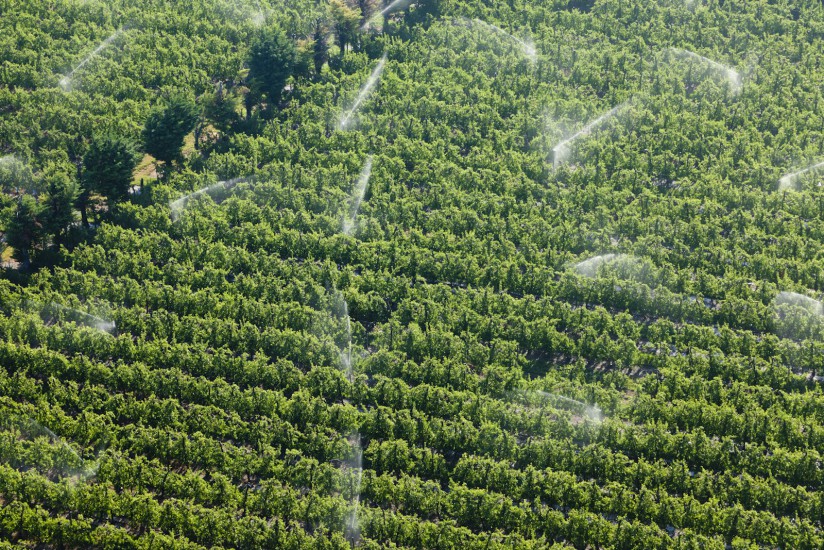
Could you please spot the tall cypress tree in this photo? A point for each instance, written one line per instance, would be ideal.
(108, 169)
(272, 60)
(167, 127)
(61, 195)
(25, 230)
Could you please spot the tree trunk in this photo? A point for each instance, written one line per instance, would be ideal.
(83, 216)
(83, 199)
(25, 263)
(198, 132)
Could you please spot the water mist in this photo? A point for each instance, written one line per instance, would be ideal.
(346, 119)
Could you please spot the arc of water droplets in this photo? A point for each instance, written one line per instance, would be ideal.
(87, 319)
(799, 300)
(357, 196)
(364, 92)
(66, 81)
(178, 205)
(732, 76)
(352, 529)
(560, 152)
(19, 174)
(590, 412)
(396, 5)
(589, 267)
(527, 48)
(260, 17)
(346, 353)
(787, 182)
(88, 471)
(356, 468)
(795, 324)
(95, 322)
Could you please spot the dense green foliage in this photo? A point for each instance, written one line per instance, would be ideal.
(272, 60)
(165, 131)
(181, 381)
(109, 163)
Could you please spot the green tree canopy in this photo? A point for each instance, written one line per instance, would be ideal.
(272, 60)
(109, 165)
(220, 107)
(345, 23)
(25, 230)
(167, 127)
(61, 194)
(320, 45)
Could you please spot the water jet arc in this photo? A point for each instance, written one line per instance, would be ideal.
(357, 196)
(527, 48)
(80, 317)
(592, 413)
(363, 94)
(66, 81)
(810, 305)
(561, 151)
(788, 181)
(396, 5)
(352, 528)
(732, 76)
(180, 204)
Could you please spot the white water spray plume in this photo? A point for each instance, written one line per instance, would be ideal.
(342, 311)
(66, 81)
(355, 466)
(79, 317)
(810, 305)
(526, 47)
(789, 182)
(560, 152)
(177, 206)
(589, 267)
(394, 6)
(13, 162)
(363, 94)
(260, 16)
(357, 196)
(32, 429)
(591, 413)
(259, 19)
(798, 317)
(728, 73)
(16, 175)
